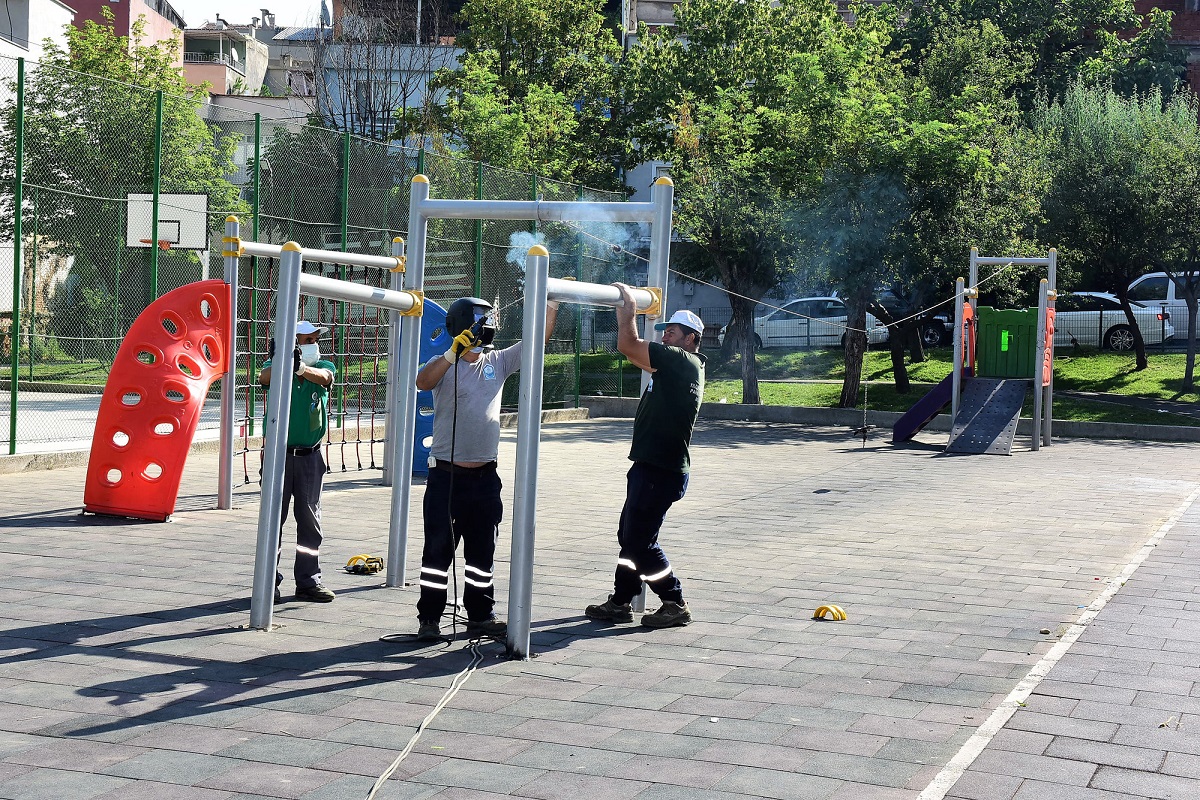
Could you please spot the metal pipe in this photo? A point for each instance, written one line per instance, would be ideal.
(229, 379)
(1043, 288)
(396, 283)
(1048, 412)
(529, 429)
(18, 272)
(347, 292)
(275, 430)
(538, 210)
(973, 277)
(956, 381)
(597, 294)
(1036, 262)
(406, 388)
(252, 327)
(326, 256)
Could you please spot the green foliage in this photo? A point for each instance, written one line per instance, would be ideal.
(89, 134)
(534, 89)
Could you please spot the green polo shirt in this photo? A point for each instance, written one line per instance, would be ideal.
(308, 419)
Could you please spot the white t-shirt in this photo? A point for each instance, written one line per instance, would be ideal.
(476, 426)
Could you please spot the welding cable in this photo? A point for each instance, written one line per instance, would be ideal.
(459, 680)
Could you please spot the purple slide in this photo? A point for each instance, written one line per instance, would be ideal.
(928, 407)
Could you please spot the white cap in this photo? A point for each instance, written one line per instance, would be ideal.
(304, 327)
(685, 318)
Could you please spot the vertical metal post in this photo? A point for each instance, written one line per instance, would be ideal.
(477, 284)
(229, 255)
(405, 398)
(1043, 288)
(1048, 400)
(395, 283)
(339, 341)
(956, 383)
(275, 430)
(252, 326)
(578, 309)
(152, 289)
(973, 281)
(32, 321)
(18, 272)
(529, 431)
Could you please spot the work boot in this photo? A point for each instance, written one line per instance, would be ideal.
(278, 595)
(315, 594)
(669, 616)
(428, 631)
(611, 611)
(487, 627)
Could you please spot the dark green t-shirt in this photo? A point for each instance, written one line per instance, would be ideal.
(308, 417)
(662, 428)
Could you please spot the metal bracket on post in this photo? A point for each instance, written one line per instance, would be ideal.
(275, 432)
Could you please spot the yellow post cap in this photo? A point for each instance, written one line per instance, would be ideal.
(231, 218)
(420, 179)
(291, 247)
(397, 240)
(538, 250)
(664, 181)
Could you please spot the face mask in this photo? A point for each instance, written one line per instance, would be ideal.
(310, 354)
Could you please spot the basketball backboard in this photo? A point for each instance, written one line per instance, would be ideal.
(182, 221)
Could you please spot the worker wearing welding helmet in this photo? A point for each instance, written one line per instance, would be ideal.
(462, 493)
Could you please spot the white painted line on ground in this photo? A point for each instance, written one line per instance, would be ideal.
(945, 780)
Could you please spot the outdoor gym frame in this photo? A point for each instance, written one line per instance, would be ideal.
(406, 302)
(1043, 377)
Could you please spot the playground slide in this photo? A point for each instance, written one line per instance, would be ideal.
(923, 412)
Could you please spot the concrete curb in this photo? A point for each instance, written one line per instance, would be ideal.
(34, 462)
(849, 418)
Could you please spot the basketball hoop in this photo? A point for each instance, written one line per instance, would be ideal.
(163, 244)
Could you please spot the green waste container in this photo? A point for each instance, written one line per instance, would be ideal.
(1006, 343)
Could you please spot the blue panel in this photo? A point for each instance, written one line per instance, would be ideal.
(434, 342)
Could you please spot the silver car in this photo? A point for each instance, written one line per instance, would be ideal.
(811, 322)
(1096, 319)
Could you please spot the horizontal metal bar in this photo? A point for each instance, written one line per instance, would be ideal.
(332, 289)
(1041, 262)
(264, 250)
(542, 211)
(600, 294)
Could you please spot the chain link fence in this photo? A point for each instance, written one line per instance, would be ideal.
(88, 143)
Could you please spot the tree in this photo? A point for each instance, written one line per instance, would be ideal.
(1114, 162)
(534, 90)
(89, 139)
(750, 103)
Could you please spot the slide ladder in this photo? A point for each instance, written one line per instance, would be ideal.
(987, 416)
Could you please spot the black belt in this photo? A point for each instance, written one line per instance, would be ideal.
(303, 451)
(449, 466)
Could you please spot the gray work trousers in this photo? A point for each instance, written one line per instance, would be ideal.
(303, 477)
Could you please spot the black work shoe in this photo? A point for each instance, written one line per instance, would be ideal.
(669, 616)
(278, 595)
(428, 632)
(315, 594)
(487, 627)
(608, 610)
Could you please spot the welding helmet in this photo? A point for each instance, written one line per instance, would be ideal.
(473, 313)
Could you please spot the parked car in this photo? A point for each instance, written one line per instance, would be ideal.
(1096, 319)
(809, 322)
(1155, 289)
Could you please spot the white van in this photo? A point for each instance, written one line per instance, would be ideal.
(1154, 289)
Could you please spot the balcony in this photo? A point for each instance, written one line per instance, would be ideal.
(214, 58)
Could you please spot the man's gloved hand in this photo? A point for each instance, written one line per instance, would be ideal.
(298, 363)
(463, 342)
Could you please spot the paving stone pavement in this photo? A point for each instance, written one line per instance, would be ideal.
(127, 669)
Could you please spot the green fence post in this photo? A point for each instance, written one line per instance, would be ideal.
(478, 284)
(29, 323)
(578, 308)
(152, 289)
(18, 199)
(252, 323)
(421, 161)
(122, 211)
(533, 196)
(340, 342)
